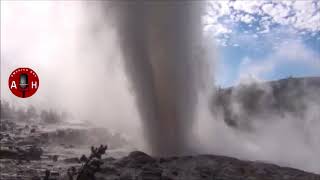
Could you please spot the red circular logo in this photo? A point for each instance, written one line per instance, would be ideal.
(23, 82)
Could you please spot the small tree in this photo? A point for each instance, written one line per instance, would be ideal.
(92, 164)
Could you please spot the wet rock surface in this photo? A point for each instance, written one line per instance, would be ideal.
(140, 166)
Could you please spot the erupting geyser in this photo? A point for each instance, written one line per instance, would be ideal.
(162, 47)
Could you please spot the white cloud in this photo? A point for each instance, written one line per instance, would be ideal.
(267, 7)
(287, 52)
(247, 18)
(297, 15)
(252, 7)
(254, 70)
(295, 51)
(278, 12)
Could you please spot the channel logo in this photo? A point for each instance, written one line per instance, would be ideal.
(23, 82)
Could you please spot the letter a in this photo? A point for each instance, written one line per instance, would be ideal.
(13, 85)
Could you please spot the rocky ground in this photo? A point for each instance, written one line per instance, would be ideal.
(140, 166)
(27, 153)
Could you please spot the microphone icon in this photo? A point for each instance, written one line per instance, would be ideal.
(23, 84)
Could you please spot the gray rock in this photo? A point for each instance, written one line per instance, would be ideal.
(140, 166)
(72, 160)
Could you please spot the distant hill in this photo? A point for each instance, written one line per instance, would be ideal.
(292, 97)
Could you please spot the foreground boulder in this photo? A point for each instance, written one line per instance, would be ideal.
(135, 159)
(140, 166)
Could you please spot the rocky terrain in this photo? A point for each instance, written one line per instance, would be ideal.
(27, 151)
(138, 165)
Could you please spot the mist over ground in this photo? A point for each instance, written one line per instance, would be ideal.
(77, 50)
(76, 57)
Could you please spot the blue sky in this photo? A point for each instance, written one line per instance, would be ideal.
(264, 40)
